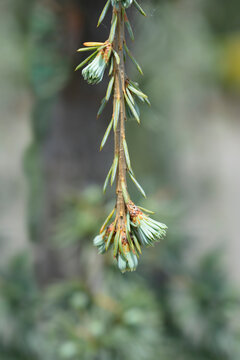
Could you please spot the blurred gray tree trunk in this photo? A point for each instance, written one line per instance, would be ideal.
(64, 155)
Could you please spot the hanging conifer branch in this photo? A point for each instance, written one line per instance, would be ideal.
(132, 228)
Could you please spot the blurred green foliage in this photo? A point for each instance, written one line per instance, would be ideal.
(80, 216)
(172, 307)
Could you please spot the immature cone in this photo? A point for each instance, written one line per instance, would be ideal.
(99, 241)
(94, 71)
(146, 229)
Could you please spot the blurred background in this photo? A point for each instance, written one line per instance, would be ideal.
(58, 298)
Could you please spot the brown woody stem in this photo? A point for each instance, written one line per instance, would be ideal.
(119, 136)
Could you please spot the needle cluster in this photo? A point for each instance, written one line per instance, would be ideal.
(132, 227)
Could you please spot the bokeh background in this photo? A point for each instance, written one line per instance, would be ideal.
(58, 298)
